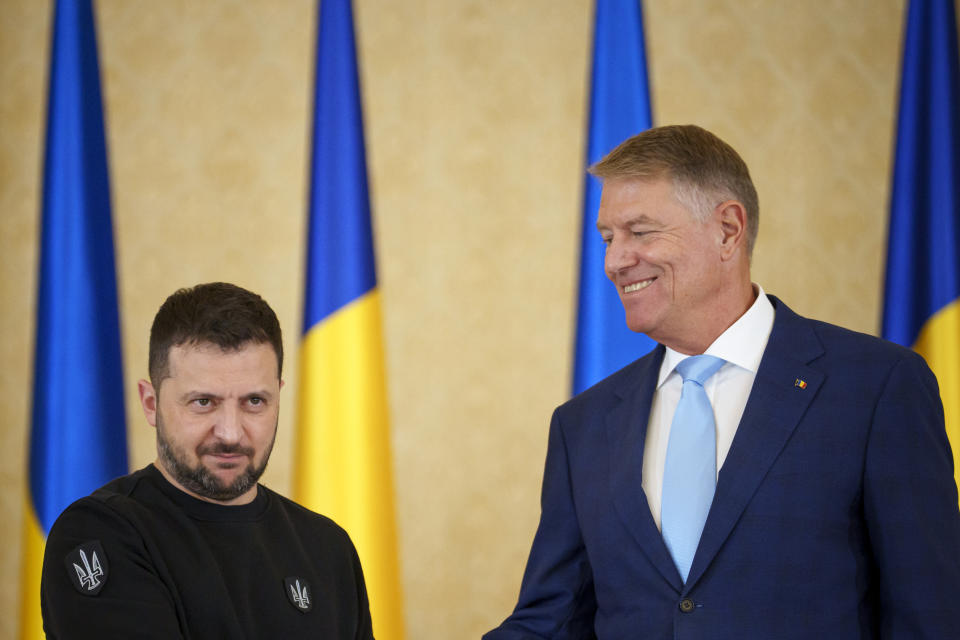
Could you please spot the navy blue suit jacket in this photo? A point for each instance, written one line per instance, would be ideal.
(835, 514)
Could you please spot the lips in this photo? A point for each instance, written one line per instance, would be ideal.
(637, 286)
(226, 454)
(227, 460)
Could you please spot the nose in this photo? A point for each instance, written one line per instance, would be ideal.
(229, 425)
(619, 256)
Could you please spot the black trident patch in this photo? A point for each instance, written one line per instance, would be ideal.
(298, 592)
(87, 567)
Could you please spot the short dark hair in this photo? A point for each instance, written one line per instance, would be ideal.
(216, 313)
(702, 166)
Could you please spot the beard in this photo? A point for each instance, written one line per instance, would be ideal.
(199, 479)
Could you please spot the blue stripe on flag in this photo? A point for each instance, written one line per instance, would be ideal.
(340, 262)
(78, 439)
(923, 253)
(619, 108)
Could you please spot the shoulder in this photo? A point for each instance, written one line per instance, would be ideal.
(853, 349)
(847, 357)
(104, 507)
(126, 511)
(319, 536)
(110, 521)
(640, 376)
(324, 529)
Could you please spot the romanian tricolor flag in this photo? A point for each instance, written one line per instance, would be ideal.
(922, 303)
(619, 108)
(78, 436)
(342, 461)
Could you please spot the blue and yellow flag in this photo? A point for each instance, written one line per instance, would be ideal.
(78, 435)
(343, 465)
(619, 108)
(922, 303)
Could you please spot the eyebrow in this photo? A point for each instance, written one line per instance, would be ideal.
(640, 219)
(199, 393)
(262, 393)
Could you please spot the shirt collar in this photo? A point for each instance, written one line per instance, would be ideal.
(742, 343)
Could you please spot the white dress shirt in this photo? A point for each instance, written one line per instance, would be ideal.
(741, 345)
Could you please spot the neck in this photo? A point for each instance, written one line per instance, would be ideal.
(714, 321)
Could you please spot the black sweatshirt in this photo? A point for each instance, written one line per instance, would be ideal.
(141, 559)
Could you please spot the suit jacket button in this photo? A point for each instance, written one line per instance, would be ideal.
(686, 605)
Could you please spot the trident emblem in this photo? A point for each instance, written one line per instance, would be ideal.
(90, 573)
(298, 593)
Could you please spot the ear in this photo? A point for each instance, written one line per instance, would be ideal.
(733, 227)
(148, 401)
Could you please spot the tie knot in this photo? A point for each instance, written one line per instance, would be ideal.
(699, 368)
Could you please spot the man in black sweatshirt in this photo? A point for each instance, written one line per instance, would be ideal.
(192, 546)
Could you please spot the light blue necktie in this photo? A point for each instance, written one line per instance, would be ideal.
(690, 470)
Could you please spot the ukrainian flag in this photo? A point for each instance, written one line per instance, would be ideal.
(342, 457)
(619, 108)
(78, 436)
(922, 302)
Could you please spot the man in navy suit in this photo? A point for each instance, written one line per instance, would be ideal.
(831, 511)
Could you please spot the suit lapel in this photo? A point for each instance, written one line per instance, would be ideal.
(626, 426)
(782, 391)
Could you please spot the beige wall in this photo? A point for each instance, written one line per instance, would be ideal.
(474, 116)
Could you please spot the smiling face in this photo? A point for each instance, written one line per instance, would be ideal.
(216, 418)
(681, 281)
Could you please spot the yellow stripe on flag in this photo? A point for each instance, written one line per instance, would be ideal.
(939, 344)
(31, 626)
(342, 455)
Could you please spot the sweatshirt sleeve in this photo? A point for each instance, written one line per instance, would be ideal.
(364, 622)
(99, 582)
